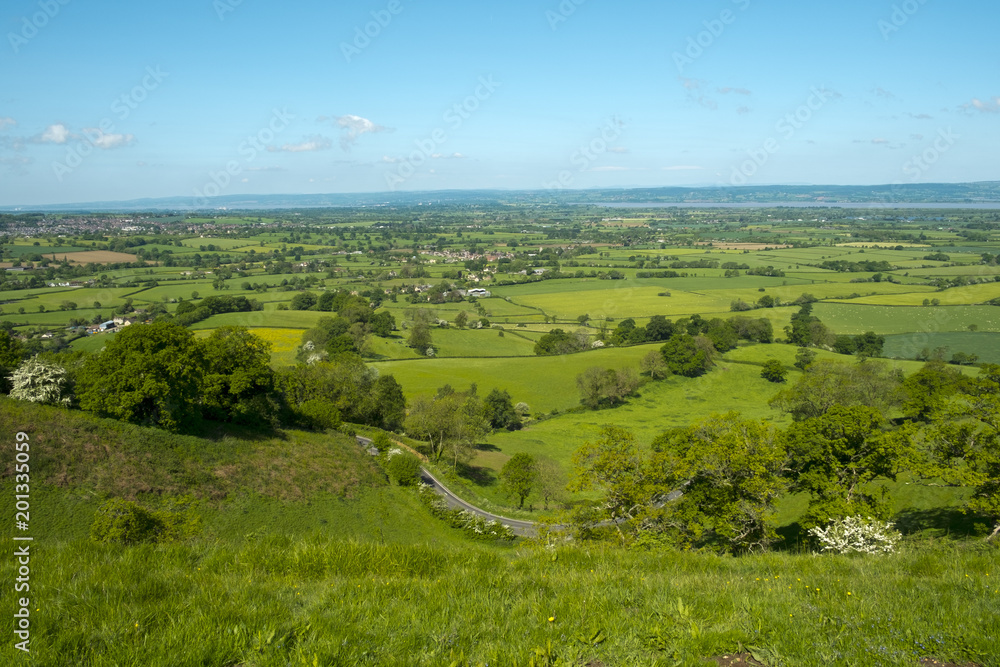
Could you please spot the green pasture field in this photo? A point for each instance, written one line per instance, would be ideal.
(851, 319)
(985, 345)
(759, 353)
(640, 298)
(22, 250)
(976, 270)
(955, 296)
(454, 342)
(92, 343)
(544, 383)
(673, 402)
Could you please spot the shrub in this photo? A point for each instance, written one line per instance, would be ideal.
(121, 521)
(773, 371)
(318, 415)
(124, 522)
(855, 534)
(39, 382)
(402, 468)
(472, 525)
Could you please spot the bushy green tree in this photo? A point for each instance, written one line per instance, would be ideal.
(964, 445)
(149, 374)
(837, 455)
(557, 341)
(499, 410)
(382, 324)
(684, 356)
(730, 473)
(11, 353)
(238, 384)
(613, 465)
(518, 476)
(773, 371)
(606, 386)
(828, 383)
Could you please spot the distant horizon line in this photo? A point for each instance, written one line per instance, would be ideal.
(560, 193)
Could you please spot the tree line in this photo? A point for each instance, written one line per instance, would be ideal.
(845, 442)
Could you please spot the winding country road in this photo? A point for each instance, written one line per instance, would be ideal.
(521, 528)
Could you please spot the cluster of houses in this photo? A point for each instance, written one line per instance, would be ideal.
(113, 324)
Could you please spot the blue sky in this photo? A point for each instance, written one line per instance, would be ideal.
(105, 100)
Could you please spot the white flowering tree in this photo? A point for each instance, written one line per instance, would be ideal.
(855, 534)
(40, 382)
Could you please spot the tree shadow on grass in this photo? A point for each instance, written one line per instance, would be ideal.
(793, 538)
(486, 447)
(477, 474)
(941, 522)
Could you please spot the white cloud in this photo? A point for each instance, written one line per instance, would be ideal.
(989, 106)
(681, 167)
(737, 91)
(352, 127)
(5, 121)
(610, 168)
(618, 149)
(314, 143)
(453, 156)
(107, 141)
(55, 134)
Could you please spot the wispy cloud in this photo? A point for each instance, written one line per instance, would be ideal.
(681, 167)
(920, 116)
(5, 121)
(695, 93)
(108, 141)
(984, 106)
(883, 93)
(450, 156)
(736, 91)
(743, 110)
(314, 143)
(621, 150)
(352, 127)
(17, 164)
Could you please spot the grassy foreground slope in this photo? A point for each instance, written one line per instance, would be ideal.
(307, 557)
